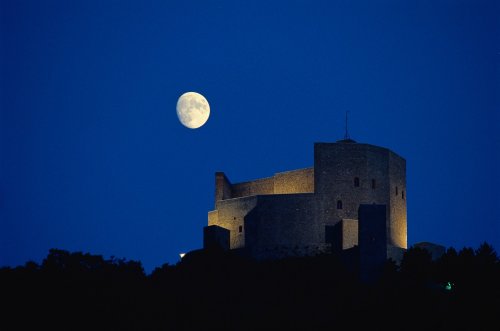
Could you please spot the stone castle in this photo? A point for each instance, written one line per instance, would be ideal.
(354, 197)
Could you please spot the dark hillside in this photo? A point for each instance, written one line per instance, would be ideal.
(211, 290)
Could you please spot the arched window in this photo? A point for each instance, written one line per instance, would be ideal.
(396, 190)
(356, 181)
(339, 204)
(373, 184)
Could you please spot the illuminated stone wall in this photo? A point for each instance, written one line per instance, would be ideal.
(289, 182)
(254, 187)
(343, 235)
(336, 167)
(379, 171)
(349, 233)
(230, 215)
(397, 211)
(290, 211)
(222, 187)
(234, 201)
(295, 181)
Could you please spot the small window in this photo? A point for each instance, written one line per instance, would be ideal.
(240, 229)
(339, 204)
(396, 190)
(234, 218)
(403, 194)
(373, 184)
(356, 181)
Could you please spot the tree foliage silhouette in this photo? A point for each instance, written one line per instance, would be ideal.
(220, 290)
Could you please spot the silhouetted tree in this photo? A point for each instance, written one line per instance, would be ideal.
(447, 267)
(486, 255)
(417, 265)
(222, 290)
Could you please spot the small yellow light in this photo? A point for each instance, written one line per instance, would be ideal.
(182, 255)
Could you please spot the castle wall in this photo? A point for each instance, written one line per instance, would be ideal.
(222, 187)
(289, 182)
(397, 212)
(336, 167)
(230, 215)
(349, 233)
(213, 217)
(284, 225)
(215, 237)
(254, 187)
(295, 181)
(343, 235)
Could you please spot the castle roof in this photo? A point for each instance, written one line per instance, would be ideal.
(347, 141)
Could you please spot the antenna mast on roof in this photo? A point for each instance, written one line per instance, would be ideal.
(346, 136)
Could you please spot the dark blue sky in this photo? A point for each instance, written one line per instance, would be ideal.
(93, 158)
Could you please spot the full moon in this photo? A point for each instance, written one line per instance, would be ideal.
(193, 110)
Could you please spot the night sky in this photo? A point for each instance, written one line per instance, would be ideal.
(94, 159)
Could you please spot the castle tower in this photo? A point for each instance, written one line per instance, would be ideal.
(348, 174)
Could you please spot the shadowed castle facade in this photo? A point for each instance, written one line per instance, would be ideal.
(354, 195)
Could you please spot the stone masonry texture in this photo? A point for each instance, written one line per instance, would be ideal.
(287, 214)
